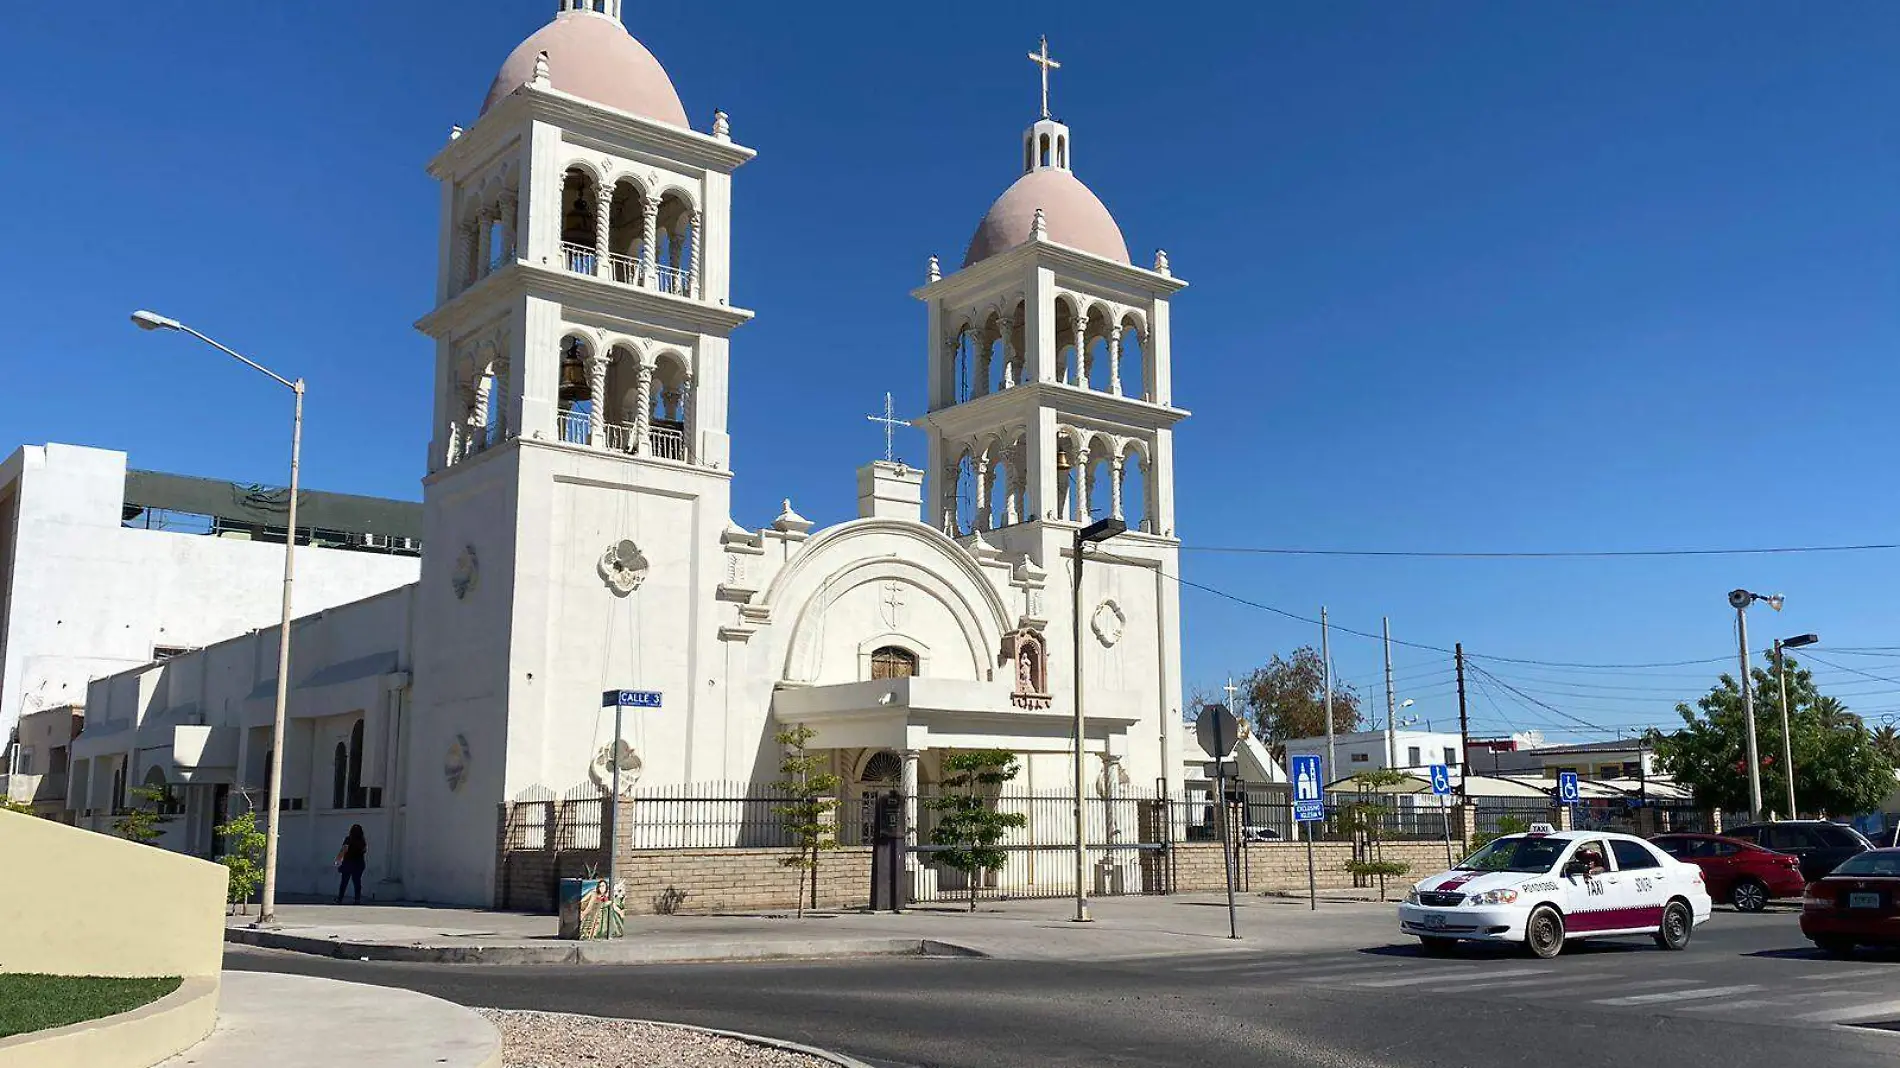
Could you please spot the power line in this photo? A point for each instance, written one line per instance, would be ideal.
(1541, 704)
(1469, 655)
(1553, 554)
(1844, 667)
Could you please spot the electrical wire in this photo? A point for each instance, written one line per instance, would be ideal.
(1554, 554)
(1469, 655)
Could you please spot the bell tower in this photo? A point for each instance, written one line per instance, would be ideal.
(1050, 407)
(579, 464)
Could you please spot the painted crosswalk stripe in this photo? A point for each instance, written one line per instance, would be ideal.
(1780, 1001)
(1873, 1010)
(1442, 976)
(1698, 994)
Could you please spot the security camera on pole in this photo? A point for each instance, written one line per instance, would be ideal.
(1740, 600)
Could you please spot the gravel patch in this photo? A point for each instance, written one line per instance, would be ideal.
(562, 1040)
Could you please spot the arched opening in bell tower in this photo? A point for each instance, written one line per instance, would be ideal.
(1135, 505)
(1134, 360)
(580, 205)
(626, 230)
(575, 413)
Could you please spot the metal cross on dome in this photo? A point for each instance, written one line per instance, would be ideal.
(1041, 59)
(891, 423)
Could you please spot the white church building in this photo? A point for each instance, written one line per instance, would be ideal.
(578, 533)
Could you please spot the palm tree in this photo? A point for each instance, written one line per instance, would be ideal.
(1887, 740)
(1833, 714)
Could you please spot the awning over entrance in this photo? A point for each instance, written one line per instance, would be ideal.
(925, 713)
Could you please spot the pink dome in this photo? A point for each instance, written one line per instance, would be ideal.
(1074, 215)
(594, 58)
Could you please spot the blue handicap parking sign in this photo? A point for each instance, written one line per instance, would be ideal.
(1441, 779)
(1309, 788)
(1567, 790)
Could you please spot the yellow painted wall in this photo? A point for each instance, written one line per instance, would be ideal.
(76, 902)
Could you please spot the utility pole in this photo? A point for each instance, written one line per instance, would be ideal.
(1326, 654)
(1391, 713)
(1464, 720)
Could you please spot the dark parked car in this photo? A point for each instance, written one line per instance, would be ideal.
(1857, 905)
(1741, 873)
(1820, 845)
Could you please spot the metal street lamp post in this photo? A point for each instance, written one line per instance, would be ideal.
(267, 908)
(1787, 739)
(1740, 600)
(1094, 534)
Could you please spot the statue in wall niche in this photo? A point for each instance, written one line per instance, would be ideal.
(1029, 654)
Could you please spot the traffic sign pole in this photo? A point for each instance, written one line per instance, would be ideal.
(1441, 788)
(620, 700)
(1309, 806)
(610, 825)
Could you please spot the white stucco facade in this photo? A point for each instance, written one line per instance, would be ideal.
(578, 533)
(84, 595)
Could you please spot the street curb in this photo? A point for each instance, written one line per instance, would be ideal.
(759, 1040)
(615, 952)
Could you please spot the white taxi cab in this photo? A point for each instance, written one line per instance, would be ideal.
(1544, 888)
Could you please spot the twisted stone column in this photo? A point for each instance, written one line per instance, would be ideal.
(510, 213)
(694, 285)
(981, 521)
(1115, 486)
(1077, 377)
(1115, 360)
(603, 229)
(649, 240)
(643, 407)
(597, 388)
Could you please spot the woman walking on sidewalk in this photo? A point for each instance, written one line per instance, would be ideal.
(350, 863)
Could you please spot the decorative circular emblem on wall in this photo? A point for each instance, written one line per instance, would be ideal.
(1108, 622)
(623, 567)
(466, 573)
(455, 763)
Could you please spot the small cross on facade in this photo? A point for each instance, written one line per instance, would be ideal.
(891, 423)
(1041, 59)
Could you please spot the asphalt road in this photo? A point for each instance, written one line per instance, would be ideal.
(1748, 991)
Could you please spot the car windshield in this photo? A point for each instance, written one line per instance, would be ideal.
(1515, 854)
(1878, 864)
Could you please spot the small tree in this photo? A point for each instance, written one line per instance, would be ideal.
(968, 821)
(142, 821)
(243, 858)
(1364, 818)
(811, 792)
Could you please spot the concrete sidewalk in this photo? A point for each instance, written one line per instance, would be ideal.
(1124, 928)
(296, 1021)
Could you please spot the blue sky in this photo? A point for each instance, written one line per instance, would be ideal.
(1472, 276)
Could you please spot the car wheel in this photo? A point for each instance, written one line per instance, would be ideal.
(1438, 947)
(1544, 933)
(1677, 924)
(1749, 895)
(1836, 947)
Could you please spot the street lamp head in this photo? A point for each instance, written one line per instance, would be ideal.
(1799, 640)
(1407, 703)
(146, 320)
(1100, 531)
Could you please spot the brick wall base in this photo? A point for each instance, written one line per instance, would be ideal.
(689, 880)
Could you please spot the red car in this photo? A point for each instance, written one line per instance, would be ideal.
(1741, 873)
(1858, 904)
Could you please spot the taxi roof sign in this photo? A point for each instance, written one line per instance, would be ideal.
(1542, 828)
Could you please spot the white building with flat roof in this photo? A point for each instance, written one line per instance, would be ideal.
(104, 568)
(1405, 750)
